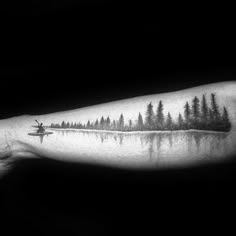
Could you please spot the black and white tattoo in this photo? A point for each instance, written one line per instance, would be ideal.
(197, 115)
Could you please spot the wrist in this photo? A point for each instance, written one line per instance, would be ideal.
(10, 129)
(6, 139)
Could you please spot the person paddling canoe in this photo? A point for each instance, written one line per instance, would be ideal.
(41, 132)
(40, 127)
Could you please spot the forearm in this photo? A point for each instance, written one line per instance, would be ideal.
(128, 141)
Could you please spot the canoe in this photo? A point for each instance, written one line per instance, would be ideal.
(40, 134)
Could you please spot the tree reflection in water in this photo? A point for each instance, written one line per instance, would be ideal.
(159, 147)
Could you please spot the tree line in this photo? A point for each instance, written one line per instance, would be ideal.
(197, 115)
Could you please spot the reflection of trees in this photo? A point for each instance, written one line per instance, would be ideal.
(156, 139)
(197, 136)
(121, 137)
(169, 136)
(225, 144)
(149, 138)
(41, 138)
(97, 135)
(151, 151)
(142, 140)
(192, 144)
(188, 140)
(216, 141)
(103, 136)
(208, 143)
(159, 138)
(159, 141)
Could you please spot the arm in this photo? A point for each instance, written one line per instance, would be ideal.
(145, 132)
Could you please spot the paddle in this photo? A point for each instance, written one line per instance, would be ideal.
(37, 122)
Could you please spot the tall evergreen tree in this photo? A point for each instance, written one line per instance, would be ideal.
(215, 108)
(187, 113)
(195, 111)
(80, 126)
(225, 120)
(211, 116)
(130, 124)
(225, 116)
(102, 123)
(121, 122)
(108, 122)
(114, 125)
(149, 119)
(204, 110)
(160, 116)
(169, 122)
(96, 125)
(140, 121)
(180, 122)
(63, 124)
(88, 125)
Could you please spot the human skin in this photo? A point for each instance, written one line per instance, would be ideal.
(126, 149)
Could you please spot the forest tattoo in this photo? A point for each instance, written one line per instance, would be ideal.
(140, 134)
(197, 115)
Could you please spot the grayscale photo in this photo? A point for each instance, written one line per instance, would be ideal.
(117, 118)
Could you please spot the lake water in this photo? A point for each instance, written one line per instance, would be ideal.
(154, 149)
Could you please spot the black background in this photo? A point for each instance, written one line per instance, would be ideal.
(60, 55)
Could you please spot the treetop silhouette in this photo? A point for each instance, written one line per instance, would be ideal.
(200, 115)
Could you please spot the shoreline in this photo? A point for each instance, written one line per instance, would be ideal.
(139, 132)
